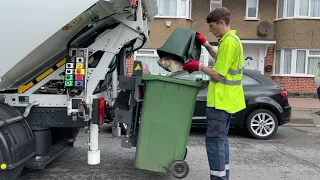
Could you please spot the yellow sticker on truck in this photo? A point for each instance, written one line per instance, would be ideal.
(137, 67)
(72, 24)
(24, 88)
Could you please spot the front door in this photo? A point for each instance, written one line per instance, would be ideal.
(251, 60)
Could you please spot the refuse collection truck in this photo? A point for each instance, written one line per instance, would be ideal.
(63, 69)
(60, 66)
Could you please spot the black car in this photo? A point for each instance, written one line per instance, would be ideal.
(267, 105)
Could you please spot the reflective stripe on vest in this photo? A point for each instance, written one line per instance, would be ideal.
(233, 72)
(230, 82)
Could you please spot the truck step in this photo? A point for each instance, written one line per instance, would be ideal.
(39, 162)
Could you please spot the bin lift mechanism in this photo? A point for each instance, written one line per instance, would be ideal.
(80, 76)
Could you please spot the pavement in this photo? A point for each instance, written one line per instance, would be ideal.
(303, 112)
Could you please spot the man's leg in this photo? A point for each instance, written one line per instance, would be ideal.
(215, 137)
(318, 92)
(226, 148)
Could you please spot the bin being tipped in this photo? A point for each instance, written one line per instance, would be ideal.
(165, 122)
(181, 46)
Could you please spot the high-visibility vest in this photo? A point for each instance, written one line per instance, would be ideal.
(315, 74)
(227, 94)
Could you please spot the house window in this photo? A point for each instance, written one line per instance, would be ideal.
(205, 58)
(300, 62)
(280, 8)
(214, 4)
(290, 8)
(174, 8)
(150, 58)
(304, 8)
(252, 9)
(298, 9)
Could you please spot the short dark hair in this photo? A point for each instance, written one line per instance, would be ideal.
(219, 14)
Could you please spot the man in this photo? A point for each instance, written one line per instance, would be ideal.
(145, 68)
(317, 81)
(225, 93)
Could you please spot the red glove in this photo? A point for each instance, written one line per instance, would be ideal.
(192, 65)
(201, 38)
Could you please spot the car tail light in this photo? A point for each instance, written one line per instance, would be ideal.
(287, 118)
(284, 94)
(139, 94)
(101, 111)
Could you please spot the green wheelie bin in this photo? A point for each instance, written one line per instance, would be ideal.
(165, 122)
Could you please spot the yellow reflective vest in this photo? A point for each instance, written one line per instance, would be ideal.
(227, 94)
(315, 74)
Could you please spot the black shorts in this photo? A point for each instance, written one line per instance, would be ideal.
(318, 92)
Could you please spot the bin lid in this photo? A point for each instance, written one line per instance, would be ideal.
(152, 77)
(181, 45)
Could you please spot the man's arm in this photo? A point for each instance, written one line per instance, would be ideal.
(211, 73)
(222, 65)
(220, 68)
(212, 51)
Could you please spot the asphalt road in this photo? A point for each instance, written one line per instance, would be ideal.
(293, 154)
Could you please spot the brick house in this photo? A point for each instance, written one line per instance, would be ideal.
(281, 38)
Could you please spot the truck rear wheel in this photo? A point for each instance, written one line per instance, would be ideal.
(11, 174)
(16, 143)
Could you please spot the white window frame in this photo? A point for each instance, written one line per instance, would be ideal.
(257, 12)
(205, 55)
(153, 53)
(188, 11)
(296, 11)
(219, 2)
(148, 53)
(293, 62)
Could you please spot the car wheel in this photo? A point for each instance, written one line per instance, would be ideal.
(123, 128)
(261, 124)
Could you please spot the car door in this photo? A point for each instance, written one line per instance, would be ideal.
(201, 105)
(251, 88)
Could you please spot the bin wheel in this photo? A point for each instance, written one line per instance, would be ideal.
(180, 169)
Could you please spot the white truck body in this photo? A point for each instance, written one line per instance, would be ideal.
(27, 24)
(37, 42)
(32, 37)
